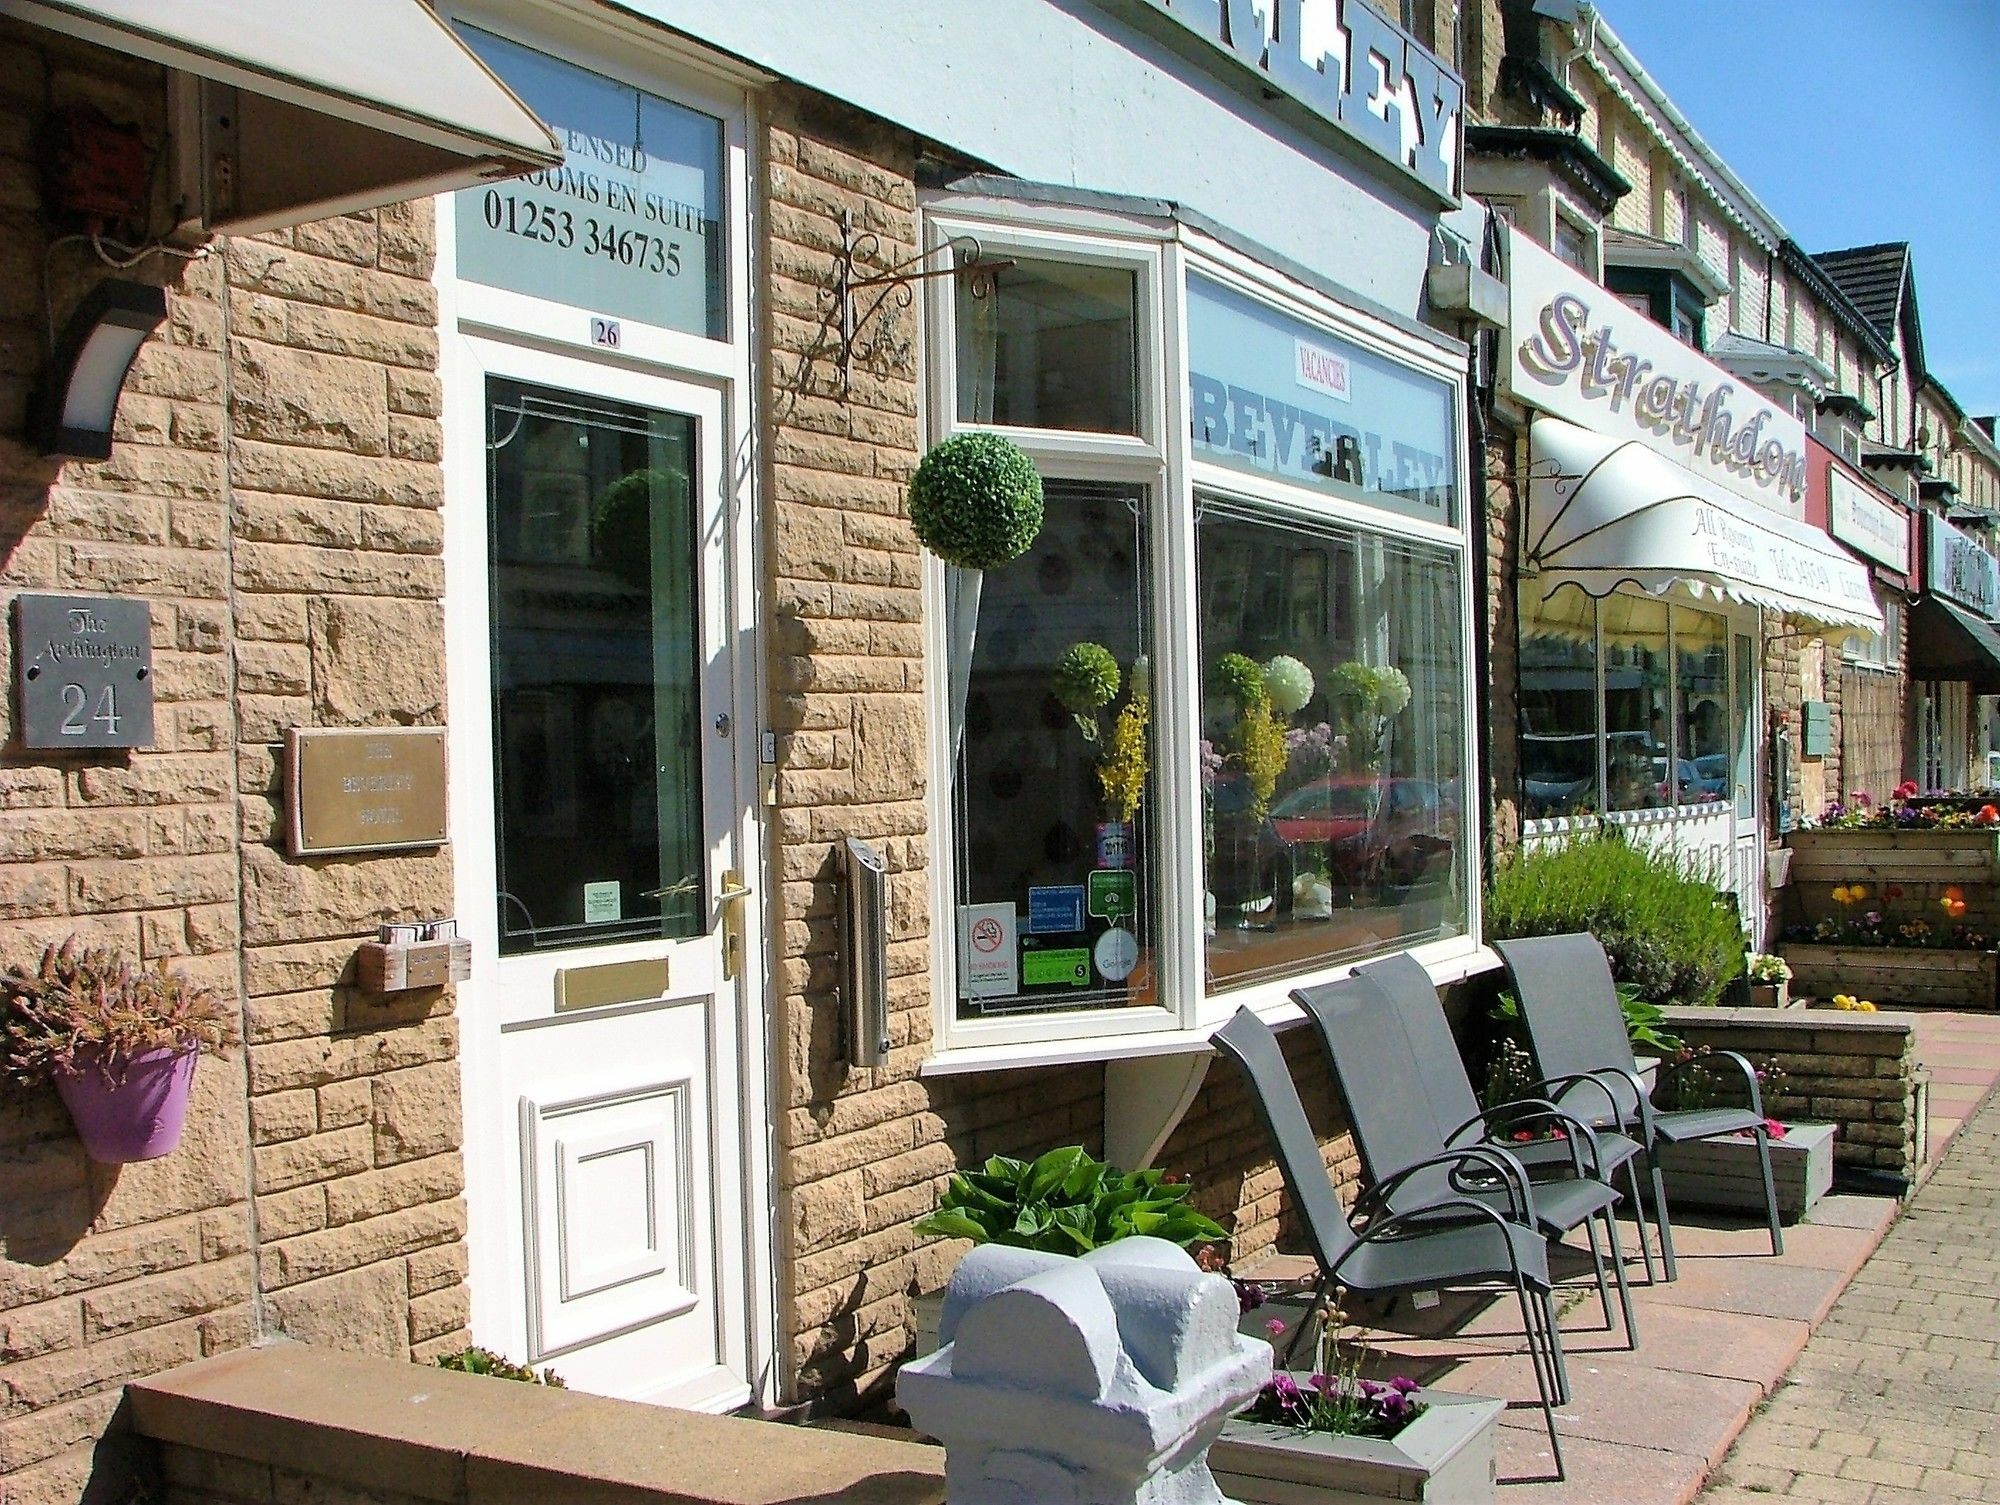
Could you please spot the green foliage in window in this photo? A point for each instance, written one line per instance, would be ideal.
(976, 501)
(1065, 1202)
(1666, 928)
(1243, 681)
(1086, 681)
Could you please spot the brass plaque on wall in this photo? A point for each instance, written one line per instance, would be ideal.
(364, 789)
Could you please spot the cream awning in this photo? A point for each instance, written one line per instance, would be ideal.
(1605, 512)
(336, 107)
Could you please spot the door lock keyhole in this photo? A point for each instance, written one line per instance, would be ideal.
(722, 724)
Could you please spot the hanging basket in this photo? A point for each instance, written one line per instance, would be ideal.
(136, 1109)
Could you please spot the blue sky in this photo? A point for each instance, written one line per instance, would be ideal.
(1857, 121)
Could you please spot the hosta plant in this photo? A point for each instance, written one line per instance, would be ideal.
(1065, 1202)
(86, 1006)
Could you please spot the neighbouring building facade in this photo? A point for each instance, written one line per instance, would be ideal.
(512, 483)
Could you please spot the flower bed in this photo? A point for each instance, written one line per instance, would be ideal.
(1724, 1172)
(1949, 977)
(1448, 1453)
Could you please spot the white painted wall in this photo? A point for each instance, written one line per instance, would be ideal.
(1061, 91)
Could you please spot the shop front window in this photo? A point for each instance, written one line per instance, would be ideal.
(1702, 769)
(1637, 740)
(1200, 754)
(1677, 724)
(1052, 818)
(1332, 737)
(1559, 742)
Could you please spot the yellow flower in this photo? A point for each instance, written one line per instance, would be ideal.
(1864, 1006)
(1121, 772)
(1843, 1000)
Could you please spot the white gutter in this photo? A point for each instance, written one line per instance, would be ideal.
(1593, 27)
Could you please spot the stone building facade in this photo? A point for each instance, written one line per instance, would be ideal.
(273, 499)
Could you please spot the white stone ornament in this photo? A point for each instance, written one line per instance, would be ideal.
(1092, 1381)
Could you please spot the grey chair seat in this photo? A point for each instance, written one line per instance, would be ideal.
(1614, 1151)
(1559, 1205)
(1448, 1256)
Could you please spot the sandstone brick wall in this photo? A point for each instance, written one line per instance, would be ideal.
(273, 496)
(1858, 1075)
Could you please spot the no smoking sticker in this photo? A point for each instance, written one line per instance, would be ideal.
(989, 951)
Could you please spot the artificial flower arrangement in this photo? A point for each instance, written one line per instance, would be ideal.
(1087, 680)
(1874, 927)
(1862, 812)
(1264, 696)
(1365, 700)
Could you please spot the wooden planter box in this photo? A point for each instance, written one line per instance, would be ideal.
(1447, 1456)
(1723, 1172)
(1770, 995)
(1971, 856)
(1888, 974)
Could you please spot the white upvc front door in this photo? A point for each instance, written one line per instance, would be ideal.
(600, 704)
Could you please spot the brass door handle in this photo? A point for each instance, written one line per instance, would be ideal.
(731, 896)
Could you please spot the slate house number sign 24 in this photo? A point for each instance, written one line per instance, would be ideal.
(84, 668)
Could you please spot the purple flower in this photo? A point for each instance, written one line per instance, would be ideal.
(1402, 1384)
(1276, 1327)
(1249, 1296)
(1323, 1383)
(1873, 917)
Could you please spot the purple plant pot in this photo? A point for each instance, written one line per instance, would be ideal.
(134, 1115)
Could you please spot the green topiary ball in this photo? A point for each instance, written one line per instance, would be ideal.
(976, 501)
(1086, 678)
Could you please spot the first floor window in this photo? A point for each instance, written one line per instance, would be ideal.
(1332, 750)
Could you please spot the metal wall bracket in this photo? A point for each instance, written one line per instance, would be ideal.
(861, 295)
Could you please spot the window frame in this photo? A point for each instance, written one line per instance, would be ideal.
(1166, 252)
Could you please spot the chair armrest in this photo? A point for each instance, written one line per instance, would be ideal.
(1504, 1167)
(1670, 1069)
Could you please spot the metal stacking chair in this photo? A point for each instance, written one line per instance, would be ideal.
(1387, 1082)
(1453, 1100)
(1576, 1030)
(1454, 1241)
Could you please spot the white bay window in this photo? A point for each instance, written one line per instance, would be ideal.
(1215, 738)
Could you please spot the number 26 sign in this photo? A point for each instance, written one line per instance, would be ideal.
(84, 666)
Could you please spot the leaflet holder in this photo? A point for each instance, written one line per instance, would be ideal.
(864, 935)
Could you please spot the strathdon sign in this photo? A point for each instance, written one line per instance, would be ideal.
(1346, 64)
(1574, 350)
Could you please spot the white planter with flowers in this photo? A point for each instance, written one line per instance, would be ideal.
(1449, 1455)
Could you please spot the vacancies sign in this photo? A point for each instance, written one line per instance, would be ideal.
(1573, 349)
(1347, 64)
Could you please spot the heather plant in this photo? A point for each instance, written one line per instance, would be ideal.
(1335, 1399)
(88, 1006)
(1666, 928)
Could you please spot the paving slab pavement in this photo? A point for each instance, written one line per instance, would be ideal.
(1897, 1395)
